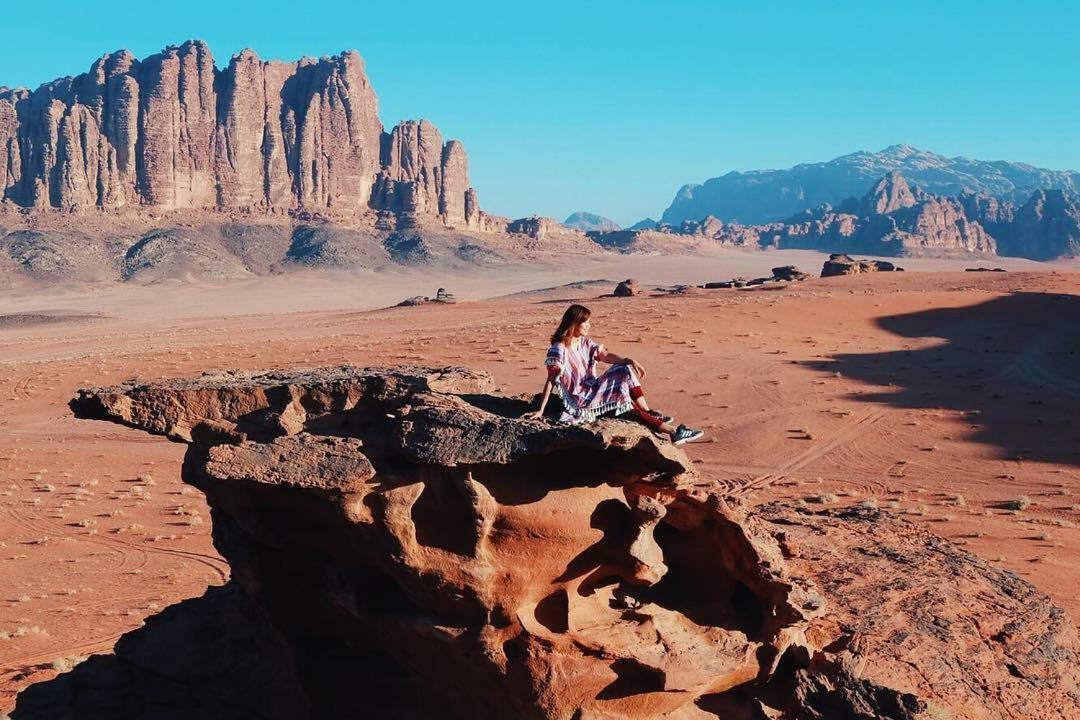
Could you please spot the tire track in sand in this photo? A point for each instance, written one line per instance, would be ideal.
(852, 431)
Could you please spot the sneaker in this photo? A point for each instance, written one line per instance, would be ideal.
(684, 434)
(660, 416)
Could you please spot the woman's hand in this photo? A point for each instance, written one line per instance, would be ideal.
(533, 415)
(637, 367)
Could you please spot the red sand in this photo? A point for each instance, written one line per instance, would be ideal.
(941, 394)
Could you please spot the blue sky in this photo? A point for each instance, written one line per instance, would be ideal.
(612, 106)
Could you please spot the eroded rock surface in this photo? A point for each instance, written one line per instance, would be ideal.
(494, 567)
(172, 131)
(840, 264)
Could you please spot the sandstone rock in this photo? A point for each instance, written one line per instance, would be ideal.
(536, 227)
(627, 288)
(839, 264)
(498, 567)
(455, 185)
(764, 196)
(937, 226)
(789, 273)
(174, 132)
(411, 178)
(889, 194)
(993, 213)
(1047, 226)
(177, 115)
(441, 296)
(472, 210)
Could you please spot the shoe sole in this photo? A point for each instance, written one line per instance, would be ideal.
(692, 438)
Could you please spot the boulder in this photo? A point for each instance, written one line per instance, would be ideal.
(627, 288)
(839, 264)
(789, 273)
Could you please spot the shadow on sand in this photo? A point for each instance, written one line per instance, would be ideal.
(217, 657)
(1011, 363)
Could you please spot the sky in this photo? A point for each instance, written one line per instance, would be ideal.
(611, 107)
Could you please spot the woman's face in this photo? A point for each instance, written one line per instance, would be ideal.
(582, 330)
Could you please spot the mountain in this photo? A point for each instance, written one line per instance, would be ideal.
(173, 131)
(646, 224)
(1046, 227)
(760, 196)
(893, 218)
(586, 221)
(171, 167)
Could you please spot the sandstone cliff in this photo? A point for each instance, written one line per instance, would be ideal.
(891, 218)
(173, 131)
(762, 196)
(404, 546)
(1046, 227)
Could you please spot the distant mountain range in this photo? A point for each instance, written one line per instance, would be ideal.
(892, 218)
(762, 196)
(587, 222)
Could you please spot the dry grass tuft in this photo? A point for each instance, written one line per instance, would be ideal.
(822, 499)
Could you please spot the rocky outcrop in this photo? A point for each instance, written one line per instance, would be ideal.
(889, 194)
(1047, 226)
(540, 228)
(421, 174)
(994, 214)
(174, 132)
(400, 538)
(892, 218)
(762, 196)
(627, 288)
(839, 264)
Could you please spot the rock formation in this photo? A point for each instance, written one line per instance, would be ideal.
(891, 218)
(762, 196)
(1046, 227)
(839, 264)
(173, 131)
(889, 194)
(403, 544)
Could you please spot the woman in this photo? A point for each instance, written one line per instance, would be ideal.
(571, 365)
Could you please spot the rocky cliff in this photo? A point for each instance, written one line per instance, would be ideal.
(1046, 227)
(762, 196)
(893, 217)
(173, 131)
(404, 546)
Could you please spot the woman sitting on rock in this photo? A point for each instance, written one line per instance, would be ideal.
(571, 365)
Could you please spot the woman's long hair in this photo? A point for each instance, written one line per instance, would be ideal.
(574, 316)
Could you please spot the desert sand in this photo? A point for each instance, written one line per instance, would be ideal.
(946, 396)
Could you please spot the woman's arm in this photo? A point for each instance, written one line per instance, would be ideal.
(549, 385)
(612, 358)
